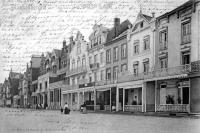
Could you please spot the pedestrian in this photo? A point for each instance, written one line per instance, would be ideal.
(83, 108)
(66, 109)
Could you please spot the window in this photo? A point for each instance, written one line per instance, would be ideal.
(56, 95)
(108, 74)
(136, 47)
(163, 39)
(83, 62)
(186, 32)
(146, 67)
(146, 42)
(163, 63)
(90, 77)
(115, 53)
(95, 76)
(99, 40)
(73, 81)
(124, 51)
(95, 41)
(51, 96)
(102, 75)
(90, 60)
(73, 97)
(40, 86)
(185, 58)
(141, 25)
(101, 57)
(78, 48)
(108, 56)
(95, 58)
(123, 67)
(115, 72)
(135, 69)
(73, 64)
(45, 84)
(78, 63)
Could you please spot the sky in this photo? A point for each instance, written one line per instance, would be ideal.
(33, 27)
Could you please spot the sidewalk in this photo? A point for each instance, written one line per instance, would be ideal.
(156, 114)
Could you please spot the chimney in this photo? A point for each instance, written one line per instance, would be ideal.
(116, 22)
(117, 26)
(64, 43)
(153, 14)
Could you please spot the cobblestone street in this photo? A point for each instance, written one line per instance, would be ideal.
(31, 121)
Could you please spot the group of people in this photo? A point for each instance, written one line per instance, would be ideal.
(66, 109)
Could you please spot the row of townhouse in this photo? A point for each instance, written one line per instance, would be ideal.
(16, 91)
(151, 65)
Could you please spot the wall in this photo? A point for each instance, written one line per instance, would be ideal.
(195, 94)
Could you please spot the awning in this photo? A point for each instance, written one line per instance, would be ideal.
(78, 90)
(168, 77)
(103, 89)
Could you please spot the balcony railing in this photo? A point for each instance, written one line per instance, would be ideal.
(126, 76)
(105, 82)
(195, 66)
(76, 71)
(107, 107)
(62, 70)
(172, 108)
(133, 108)
(69, 87)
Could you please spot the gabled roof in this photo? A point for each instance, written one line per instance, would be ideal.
(141, 17)
(123, 27)
(182, 6)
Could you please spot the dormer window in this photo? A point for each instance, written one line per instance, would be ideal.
(141, 25)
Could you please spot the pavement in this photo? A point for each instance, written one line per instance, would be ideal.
(52, 121)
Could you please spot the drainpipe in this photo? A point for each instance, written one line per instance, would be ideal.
(156, 94)
(78, 102)
(110, 100)
(123, 98)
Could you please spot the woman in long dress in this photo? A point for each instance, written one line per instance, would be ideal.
(66, 109)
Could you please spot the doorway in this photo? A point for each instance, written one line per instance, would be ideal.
(185, 95)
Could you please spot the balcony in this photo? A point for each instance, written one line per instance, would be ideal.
(69, 87)
(95, 48)
(159, 73)
(94, 66)
(172, 108)
(62, 70)
(83, 81)
(163, 46)
(105, 82)
(195, 67)
(133, 108)
(75, 71)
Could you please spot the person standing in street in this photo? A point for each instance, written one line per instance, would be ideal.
(66, 108)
